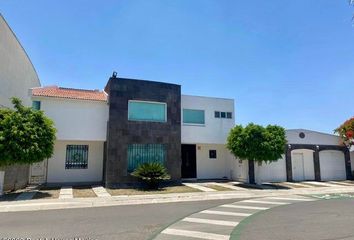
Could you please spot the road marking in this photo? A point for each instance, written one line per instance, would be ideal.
(244, 207)
(210, 221)
(195, 234)
(264, 202)
(199, 187)
(291, 199)
(66, 192)
(100, 191)
(226, 213)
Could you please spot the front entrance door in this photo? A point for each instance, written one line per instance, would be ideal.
(189, 161)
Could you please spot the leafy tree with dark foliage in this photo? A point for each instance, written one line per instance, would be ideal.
(256, 143)
(26, 135)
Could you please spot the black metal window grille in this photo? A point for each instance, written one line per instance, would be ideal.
(76, 157)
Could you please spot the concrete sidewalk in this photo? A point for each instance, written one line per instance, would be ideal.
(41, 204)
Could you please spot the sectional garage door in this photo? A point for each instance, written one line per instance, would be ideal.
(332, 165)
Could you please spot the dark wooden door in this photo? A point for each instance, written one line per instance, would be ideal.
(189, 161)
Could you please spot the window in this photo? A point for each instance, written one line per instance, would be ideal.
(223, 114)
(76, 157)
(192, 116)
(229, 115)
(212, 154)
(36, 105)
(142, 153)
(217, 114)
(147, 111)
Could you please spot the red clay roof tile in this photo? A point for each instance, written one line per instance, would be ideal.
(71, 93)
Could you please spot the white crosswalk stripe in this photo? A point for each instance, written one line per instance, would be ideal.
(291, 199)
(199, 187)
(195, 234)
(226, 213)
(210, 221)
(244, 207)
(265, 202)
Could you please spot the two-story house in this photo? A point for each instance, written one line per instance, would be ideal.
(104, 135)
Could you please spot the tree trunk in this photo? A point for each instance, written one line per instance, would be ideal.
(251, 172)
(2, 178)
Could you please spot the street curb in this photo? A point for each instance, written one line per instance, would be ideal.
(51, 204)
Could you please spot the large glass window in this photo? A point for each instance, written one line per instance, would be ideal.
(146, 111)
(76, 156)
(142, 153)
(192, 116)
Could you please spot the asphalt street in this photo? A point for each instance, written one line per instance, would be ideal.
(320, 220)
(103, 223)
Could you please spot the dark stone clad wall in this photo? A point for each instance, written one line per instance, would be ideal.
(122, 132)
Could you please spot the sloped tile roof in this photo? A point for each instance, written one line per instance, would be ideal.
(71, 93)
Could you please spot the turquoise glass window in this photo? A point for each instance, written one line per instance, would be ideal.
(142, 153)
(36, 105)
(193, 116)
(146, 111)
(76, 156)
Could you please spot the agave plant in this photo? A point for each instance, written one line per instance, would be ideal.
(151, 173)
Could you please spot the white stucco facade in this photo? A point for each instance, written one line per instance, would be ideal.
(215, 130)
(56, 164)
(213, 168)
(74, 119)
(211, 135)
(17, 73)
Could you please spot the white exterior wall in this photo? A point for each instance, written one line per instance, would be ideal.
(56, 164)
(311, 137)
(17, 73)
(77, 119)
(215, 130)
(270, 172)
(209, 168)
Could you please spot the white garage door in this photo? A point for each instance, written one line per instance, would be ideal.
(332, 165)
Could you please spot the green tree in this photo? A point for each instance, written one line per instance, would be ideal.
(26, 135)
(256, 143)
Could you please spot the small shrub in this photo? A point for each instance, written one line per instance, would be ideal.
(151, 173)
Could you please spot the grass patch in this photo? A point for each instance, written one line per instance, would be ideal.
(217, 187)
(139, 191)
(83, 192)
(47, 193)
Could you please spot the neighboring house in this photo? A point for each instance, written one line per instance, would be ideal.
(103, 135)
(309, 155)
(17, 75)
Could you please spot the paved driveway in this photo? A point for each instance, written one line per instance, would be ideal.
(320, 220)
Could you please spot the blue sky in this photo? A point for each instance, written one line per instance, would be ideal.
(284, 62)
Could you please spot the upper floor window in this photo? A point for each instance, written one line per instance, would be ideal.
(147, 111)
(218, 114)
(193, 116)
(36, 105)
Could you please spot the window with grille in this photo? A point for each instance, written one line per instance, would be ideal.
(142, 153)
(76, 157)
